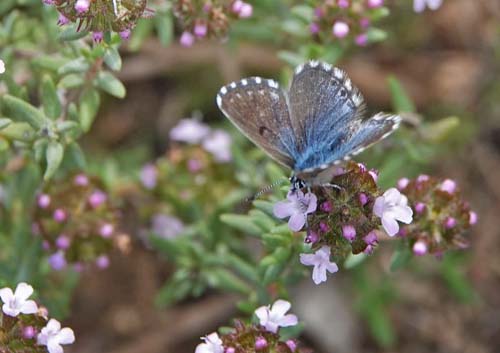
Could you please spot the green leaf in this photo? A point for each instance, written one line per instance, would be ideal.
(376, 35)
(110, 84)
(79, 65)
(20, 110)
(50, 100)
(291, 58)
(71, 81)
(70, 33)
(89, 105)
(246, 269)
(400, 258)
(304, 12)
(4, 122)
(141, 31)
(54, 155)
(67, 125)
(113, 59)
(177, 288)
(19, 131)
(76, 156)
(242, 223)
(438, 131)
(401, 102)
(226, 280)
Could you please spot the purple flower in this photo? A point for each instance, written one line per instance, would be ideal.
(97, 36)
(297, 207)
(53, 336)
(361, 39)
(43, 201)
(314, 28)
(364, 22)
(420, 207)
(82, 6)
(373, 4)
(321, 262)
(57, 261)
(472, 218)
(230, 350)
(311, 237)
(422, 178)
(63, 242)
(63, 20)
(200, 30)
(125, 34)
(391, 207)
(190, 131)
(15, 303)
(149, 176)
(59, 215)
(81, 180)
(212, 344)
(326, 207)
(349, 232)
(323, 226)
(187, 39)
(371, 240)
(218, 143)
(448, 186)
(292, 345)
(97, 198)
(260, 343)
(106, 230)
(166, 227)
(102, 262)
(340, 29)
(420, 5)
(343, 4)
(274, 317)
(420, 248)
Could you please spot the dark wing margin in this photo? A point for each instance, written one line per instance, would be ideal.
(258, 108)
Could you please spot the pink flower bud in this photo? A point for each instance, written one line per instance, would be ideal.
(403, 183)
(246, 11)
(343, 4)
(450, 222)
(448, 186)
(187, 39)
(43, 201)
(363, 199)
(194, 165)
(349, 232)
(260, 343)
(81, 180)
(371, 238)
(326, 207)
(97, 198)
(364, 22)
(420, 248)
(82, 6)
(374, 174)
(472, 218)
(340, 29)
(200, 30)
(311, 237)
(230, 350)
(59, 215)
(323, 226)
(292, 345)
(237, 5)
(63, 242)
(362, 167)
(361, 39)
(420, 207)
(373, 4)
(125, 34)
(106, 230)
(63, 20)
(29, 332)
(102, 262)
(314, 28)
(97, 37)
(422, 178)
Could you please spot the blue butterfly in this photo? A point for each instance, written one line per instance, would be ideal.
(318, 123)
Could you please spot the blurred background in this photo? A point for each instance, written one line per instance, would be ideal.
(447, 62)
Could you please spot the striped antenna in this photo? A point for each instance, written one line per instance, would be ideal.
(266, 189)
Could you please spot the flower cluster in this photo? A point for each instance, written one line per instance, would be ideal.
(442, 217)
(78, 223)
(264, 337)
(101, 16)
(25, 327)
(343, 218)
(208, 18)
(343, 19)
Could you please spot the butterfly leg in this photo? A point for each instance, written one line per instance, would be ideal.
(333, 186)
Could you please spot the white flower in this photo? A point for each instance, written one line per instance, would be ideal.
(274, 317)
(2, 67)
(420, 5)
(218, 143)
(213, 344)
(53, 336)
(391, 207)
(16, 303)
(321, 262)
(190, 131)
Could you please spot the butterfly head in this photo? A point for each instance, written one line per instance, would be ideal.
(296, 183)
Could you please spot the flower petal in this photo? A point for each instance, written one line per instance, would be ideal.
(271, 326)
(434, 4)
(378, 207)
(332, 267)
(54, 347)
(203, 348)
(418, 5)
(283, 209)
(23, 291)
(29, 307)
(390, 225)
(10, 311)
(280, 307)
(66, 336)
(53, 325)
(288, 320)
(319, 274)
(308, 259)
(6, 295)
(404, 214)
(262, 314)
(312, 203)
(297, 221)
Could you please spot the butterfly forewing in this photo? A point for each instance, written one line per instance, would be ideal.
(258, 107)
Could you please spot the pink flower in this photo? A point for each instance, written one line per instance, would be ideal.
(391, 207)
(106, 230)
(361, 39)
(125, 34)
(420, 5)
(53, 336)
(340, 29)
(321, 262)
(212, 344)
(450, 222)
(448, 186)
(166, 227)
(102, 262)
(349, 232)
(420, 248)
(82, 6)
(15, 303)
(260, 343)
(97, 37)
(81, 180)
(343, 4)
(311, 237)
(200, 30)
(363, 199)
(97, 198)
(60, 215)
(43, 201)
(57, 261)
(187, 39)
(218, 143)
(246, 10)
(403, 183)
(314, 28)
(190, 131)
(297, 207)
(472, 218)
(420, 207)
(63, 20)
(272, 318)
(63, 242)
(373, 4)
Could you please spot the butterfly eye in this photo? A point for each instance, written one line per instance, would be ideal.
(343, 92)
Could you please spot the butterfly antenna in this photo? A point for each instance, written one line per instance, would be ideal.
(266, 189)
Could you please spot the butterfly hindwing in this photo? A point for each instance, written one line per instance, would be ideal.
(258, 108)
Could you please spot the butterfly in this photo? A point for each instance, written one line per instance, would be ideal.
(318, 123)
